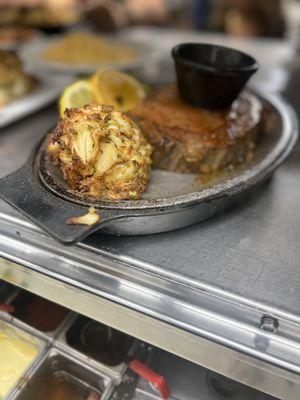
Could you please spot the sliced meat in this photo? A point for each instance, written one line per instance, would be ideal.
(189, 139)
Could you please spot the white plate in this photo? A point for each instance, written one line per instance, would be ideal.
(48, 90)
(32, 54)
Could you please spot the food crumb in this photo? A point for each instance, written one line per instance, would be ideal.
(89, 219)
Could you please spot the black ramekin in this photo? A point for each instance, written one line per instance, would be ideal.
(211, 76)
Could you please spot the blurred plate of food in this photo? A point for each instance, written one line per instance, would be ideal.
(40, 15)
(83, 52)
(12, 37)
(23, 92)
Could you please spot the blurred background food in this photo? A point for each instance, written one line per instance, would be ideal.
(40, 14)
(77, 37)
(235, 17)
(19, 20)
(252, 18)
(14, 82)
(87, 48)
(74, 33)
(13, 36)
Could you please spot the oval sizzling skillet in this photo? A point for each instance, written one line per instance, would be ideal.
(171, 201)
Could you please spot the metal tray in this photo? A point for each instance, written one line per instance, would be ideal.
(62, 343)
(49, 335)
(172, 200)
(7, 293)
(188, 381)
(57, 365)
(38, 343)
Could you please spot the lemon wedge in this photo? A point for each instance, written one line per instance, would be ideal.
(78, 94)
(117, 89)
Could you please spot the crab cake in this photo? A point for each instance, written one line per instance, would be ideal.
(101, 153)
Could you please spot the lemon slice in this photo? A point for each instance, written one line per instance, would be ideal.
(117, 89)
(76, 95)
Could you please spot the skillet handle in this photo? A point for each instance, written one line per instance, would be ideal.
(23, 190)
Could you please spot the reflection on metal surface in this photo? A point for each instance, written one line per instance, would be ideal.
(188, 381)
(223, 388)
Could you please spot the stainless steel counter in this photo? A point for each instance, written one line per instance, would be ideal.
(201, 292)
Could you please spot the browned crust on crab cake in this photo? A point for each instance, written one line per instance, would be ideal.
(101, 153)
(189, 139)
